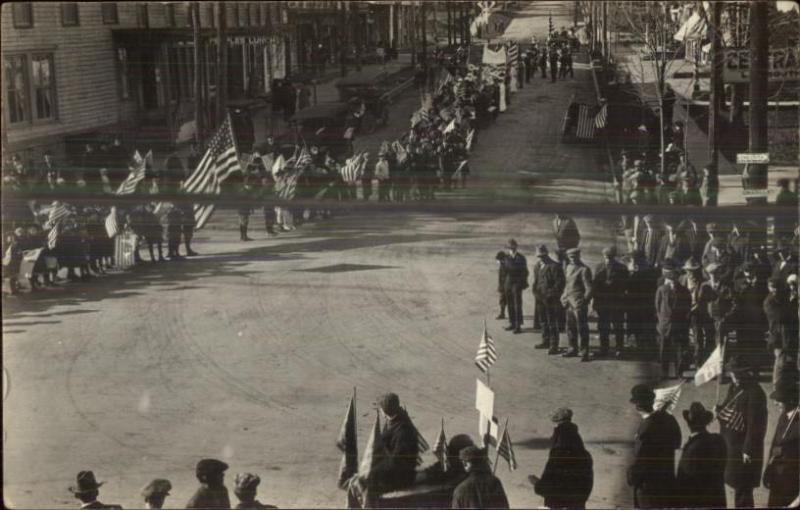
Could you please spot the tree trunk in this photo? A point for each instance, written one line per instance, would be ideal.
(198, 94)
(715, 99)
(759, 54)
(222, 62)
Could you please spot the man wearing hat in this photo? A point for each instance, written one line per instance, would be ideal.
(245, 490)
(652, 474)
(700, 323)
(575, 298)
(452, 472)
(700, 481)
(749, 320)
(721, 302)
(86, 489)
(608, 292)
(155, 492)
(673, 304)
(568, 477)
(212, 493)
(481, 489)
(640, 308)
(648, 239)
(500, 257)
(716, 251)
(516, 281)
(548, 285)
(674, 244)
(382, 175)
(782, 474)
(743, 423)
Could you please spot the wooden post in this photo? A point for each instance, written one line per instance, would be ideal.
(342, 29)
(222, 62)
(166, 86)
(412, 25)
(759, 65)
(449, 8)
(715, 99)
(423, 15)
(358, 32)
(198, 89)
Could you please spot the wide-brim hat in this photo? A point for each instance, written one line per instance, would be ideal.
(642, 394)
(85, 482)
(739, 364)
(698, 415)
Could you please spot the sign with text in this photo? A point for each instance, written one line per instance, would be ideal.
(748, 158)
(784, 65)
(484, 399)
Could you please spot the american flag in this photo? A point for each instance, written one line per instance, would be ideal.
(218, 163)
(136, 176)
(58, 213)
(112, 226)
(52, 236)
(506, 450)
(585, 129)
(353, 168)
(422, 447)
(601, 118)
(400, 151)
(447, 80)
(731, 417)
(440, 448)
(667, 398)
(513, 55)
(303, 159)
(487, 355)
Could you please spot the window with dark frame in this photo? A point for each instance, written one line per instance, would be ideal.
(43, 86)
(169, 13)
(22, 14)
(69, 14)
(123, 73)
(142, 16)
(110, 13)
(15, 76)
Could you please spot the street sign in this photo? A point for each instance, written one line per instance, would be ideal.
(784, 65)
(749, 158)
(755, 193)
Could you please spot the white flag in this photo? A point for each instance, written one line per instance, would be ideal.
(710, 369)
(667, 398)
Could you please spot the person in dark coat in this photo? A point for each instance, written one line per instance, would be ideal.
(87, 489)
(452, 472)
(700, 323)
(212, 492)
(397, 469)
(516, 281)
(548, 285)
(576, 298)
(743, 423)
(749, 320)
(245, 490)
(608, 291)
(481, 489)
(782, 474)
(700, 481)
(155, 492)
(648, 239)
(543, 62)
(501, 279)
(568, 476)
(673, 304)
(652, 474)
(640, 313)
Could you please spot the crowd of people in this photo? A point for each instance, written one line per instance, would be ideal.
(684, 289)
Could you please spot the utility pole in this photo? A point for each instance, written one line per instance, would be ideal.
(714, 101)
(199, 125)
(575, 14)
(343, 39)
(606, 53)
(412, 26)
(737, 12)
(222, 62)
(448, 7)
(424, 15)
(759, 65)
(355, 16)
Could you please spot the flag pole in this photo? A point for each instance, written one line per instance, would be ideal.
(722, 363)
(499, 444)
(488, 376)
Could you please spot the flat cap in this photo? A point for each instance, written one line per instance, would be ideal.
(157, 486)
(246, 482)
(561, 415)
(210, 466)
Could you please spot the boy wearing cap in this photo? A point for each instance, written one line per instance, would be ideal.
(212, 493)
(743, 425)
(156, 492)
(481, 489)
(245, 490)
(575, 298)
(700, 480)
(652, 474)
(86, 489)
(548, 285)
(782, 474)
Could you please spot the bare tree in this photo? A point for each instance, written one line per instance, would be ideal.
(653, 28)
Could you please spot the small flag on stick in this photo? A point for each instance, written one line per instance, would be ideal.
(112, 226)
(506, 450)
(440, 448)
(667, 398)
(487, 355)
(373, 453)
(710, 369)
(347, 443)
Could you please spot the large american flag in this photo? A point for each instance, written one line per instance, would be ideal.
(136, 176)
(353, 168)
(487, 355)
(55, 218)
(586, 123)
(513, 55)
(218, 163)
